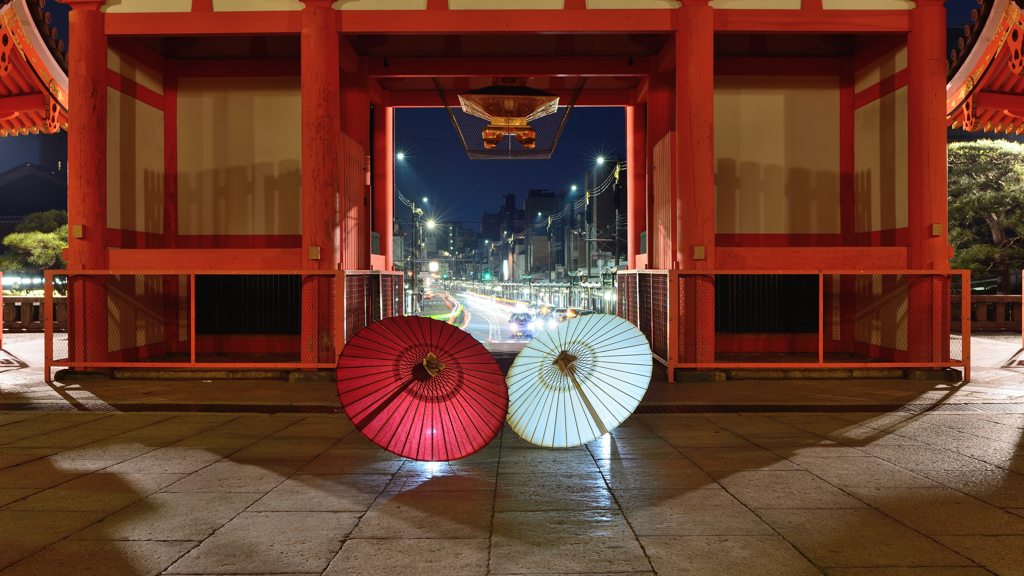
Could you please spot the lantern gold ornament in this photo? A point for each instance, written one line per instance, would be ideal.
(509, 105)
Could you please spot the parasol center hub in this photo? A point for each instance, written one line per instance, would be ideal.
(565, 363)
(431, 365)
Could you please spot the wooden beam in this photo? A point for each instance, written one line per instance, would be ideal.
(755, 66)
(507, 21)
(203, 23)
(483, 22)
(21, 104)
(430, 99)
(667, 57)
(242, 68)
(641, 91)
(882, 46)
(376, 92)
(139, 52)
(812, 21)
(512, 66)
(994, 101)
(347, 56)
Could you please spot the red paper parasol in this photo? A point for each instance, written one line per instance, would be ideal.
(422, 388)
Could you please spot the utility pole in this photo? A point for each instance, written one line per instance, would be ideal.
(586, 213)
(616, 238)
(413, 255)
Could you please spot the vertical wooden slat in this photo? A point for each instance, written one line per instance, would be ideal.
(192, 317)
(821, 318)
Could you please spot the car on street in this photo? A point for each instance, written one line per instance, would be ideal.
(521, 325)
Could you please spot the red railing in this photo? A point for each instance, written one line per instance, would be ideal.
(212, 319)
(801, 319)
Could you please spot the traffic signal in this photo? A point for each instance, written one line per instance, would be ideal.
(487, 275)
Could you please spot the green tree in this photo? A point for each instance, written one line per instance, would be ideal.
(986, 208)
(36, 243)
(47, 222)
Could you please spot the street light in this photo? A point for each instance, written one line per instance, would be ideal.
(600, 159)
(400, 156)
(430, 223)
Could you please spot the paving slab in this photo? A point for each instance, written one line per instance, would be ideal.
(709, 511)
(577, 542)
(270, 542)
(858, 538)
(25, 532)
(170, 516)
(98, 492)
(411, 557)
(940, 511)
(785, 489)
(333, 493)
(726, 556)
(1002, 555)
(903, 571)
(234, 476)
(109, 558)
(410, 514)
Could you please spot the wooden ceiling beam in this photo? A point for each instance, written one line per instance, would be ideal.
(478, 67)
(430, 98)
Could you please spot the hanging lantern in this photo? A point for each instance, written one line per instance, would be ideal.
(509, 105)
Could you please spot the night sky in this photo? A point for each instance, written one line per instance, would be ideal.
(436, 166)
(460, 189)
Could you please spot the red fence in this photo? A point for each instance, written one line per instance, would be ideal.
(801, 319)
(999, 313)
(213, 319)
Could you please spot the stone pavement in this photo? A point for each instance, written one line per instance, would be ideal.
(825, 478)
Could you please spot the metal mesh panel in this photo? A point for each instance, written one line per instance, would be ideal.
(880, 317)
(659, 315)
(470, 129)
(697, 314)
(318, 319)
(59, 313)
(644, 307)
(355, 305)
(392, 288)
(956, 342)
(627, 297)
(121, 318)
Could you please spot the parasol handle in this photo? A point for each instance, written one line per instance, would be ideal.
(564, 362)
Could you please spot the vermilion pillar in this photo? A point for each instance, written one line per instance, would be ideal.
(636, 183)
(926, 161)
(695, 104)
(321, 136)
(695, 184)
(87, 137)
(383, 178)
(321, 177)
(928, 309)
(87, 182)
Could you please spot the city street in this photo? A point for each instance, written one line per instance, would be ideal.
(488, 321)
